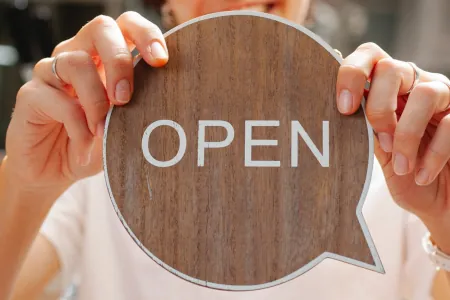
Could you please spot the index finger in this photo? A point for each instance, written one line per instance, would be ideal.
(146, 36)
(102, 37)
(353, 75)
(357, 70)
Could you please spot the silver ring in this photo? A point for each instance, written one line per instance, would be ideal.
(55, 59)
(447, 84)
(416, 77)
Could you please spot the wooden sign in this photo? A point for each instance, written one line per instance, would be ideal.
(231, 166)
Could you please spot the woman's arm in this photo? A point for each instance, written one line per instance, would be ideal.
(441, 286)
(54, 137)
(21, 215)
(57, 248)
(40, 267)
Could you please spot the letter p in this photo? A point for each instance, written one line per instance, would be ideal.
(202, 144)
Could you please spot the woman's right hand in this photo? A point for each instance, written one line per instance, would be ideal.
(55, 134)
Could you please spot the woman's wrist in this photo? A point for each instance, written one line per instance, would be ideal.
(14, 190)
(439, 229)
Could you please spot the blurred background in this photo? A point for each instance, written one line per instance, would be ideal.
(411, 30)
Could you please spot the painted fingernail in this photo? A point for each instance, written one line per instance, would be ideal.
(157, 51)
(386, 141)
(400, 164)
(422, 177)
(123, 91)
(100, 131)
(345, 102)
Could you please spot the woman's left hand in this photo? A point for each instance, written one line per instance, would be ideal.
(411, 120)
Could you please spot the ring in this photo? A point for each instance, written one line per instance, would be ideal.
(416, 77)
(55, 59)
(447, 84)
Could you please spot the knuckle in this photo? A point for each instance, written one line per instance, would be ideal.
(351, 73)
(153, 29)
(96, 107)
(377, 116)
(405, 137)
(100, 108)
(370, 46)
(103, 21)
(40, 65)
(129, 16)
(427, 90)
(439, 77)
(438, 153)
(151, 32)
(80, 59)
(99, 105)
(388, 66)
(121, 60)
(25, 91)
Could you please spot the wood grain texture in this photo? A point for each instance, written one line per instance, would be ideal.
(226, 223)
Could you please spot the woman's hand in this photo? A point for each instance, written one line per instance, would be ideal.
(54, 137)
(412, 123)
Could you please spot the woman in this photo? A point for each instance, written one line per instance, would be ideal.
(58, 143)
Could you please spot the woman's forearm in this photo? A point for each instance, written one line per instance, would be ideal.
(22, 212)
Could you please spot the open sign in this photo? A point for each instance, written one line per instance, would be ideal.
(296, 131)
(231, 166)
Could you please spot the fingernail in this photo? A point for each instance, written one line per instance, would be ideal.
(400, 164)
(422, 177)
(84, 160)
(386, 141)
(87, 160)
(87, 157)
(100, 131)
(345, 103)
(157, 51)
(123, 91)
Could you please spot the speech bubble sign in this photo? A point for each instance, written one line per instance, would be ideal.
(232, 167)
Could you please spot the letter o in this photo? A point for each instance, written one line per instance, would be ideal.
(146, 146)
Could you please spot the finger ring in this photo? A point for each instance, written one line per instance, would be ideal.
(446, 83)
(55, 59)
(416, 77)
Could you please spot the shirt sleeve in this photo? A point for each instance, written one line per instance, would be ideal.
(63, 228)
